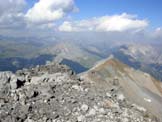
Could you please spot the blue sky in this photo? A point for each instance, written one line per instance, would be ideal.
(148, 9)
(145, 9)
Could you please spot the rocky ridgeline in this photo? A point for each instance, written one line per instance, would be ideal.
(53, 93)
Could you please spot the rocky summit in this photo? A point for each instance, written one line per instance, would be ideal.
(53, 93)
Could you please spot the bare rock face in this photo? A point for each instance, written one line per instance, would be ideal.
(52, 93)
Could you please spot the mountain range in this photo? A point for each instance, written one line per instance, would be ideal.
(82, 50)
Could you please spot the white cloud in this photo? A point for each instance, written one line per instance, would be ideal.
(66, 26)
(11, 6)
(157, 33)
(41, 16)
(121, 22)
(11, 14)
(45, 11)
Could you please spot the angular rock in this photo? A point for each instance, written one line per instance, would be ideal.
(52, 93)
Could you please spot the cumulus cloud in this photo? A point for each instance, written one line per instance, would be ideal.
(11, 6)
(11, 15)
(11, 10)
(42, 16)
(158, 30)
(157, 33)
(121, 22)
(45, 11)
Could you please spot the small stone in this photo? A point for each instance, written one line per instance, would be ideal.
(67, 111)
(121, 97)
(125, 120)
(92, 112)
(13, 83)
(76, 87)
(29, 120)
(102, 111)
(86, 90)
(45, 101)
(139, 108)
(84, 108)
(80, 118)
(108, 94)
